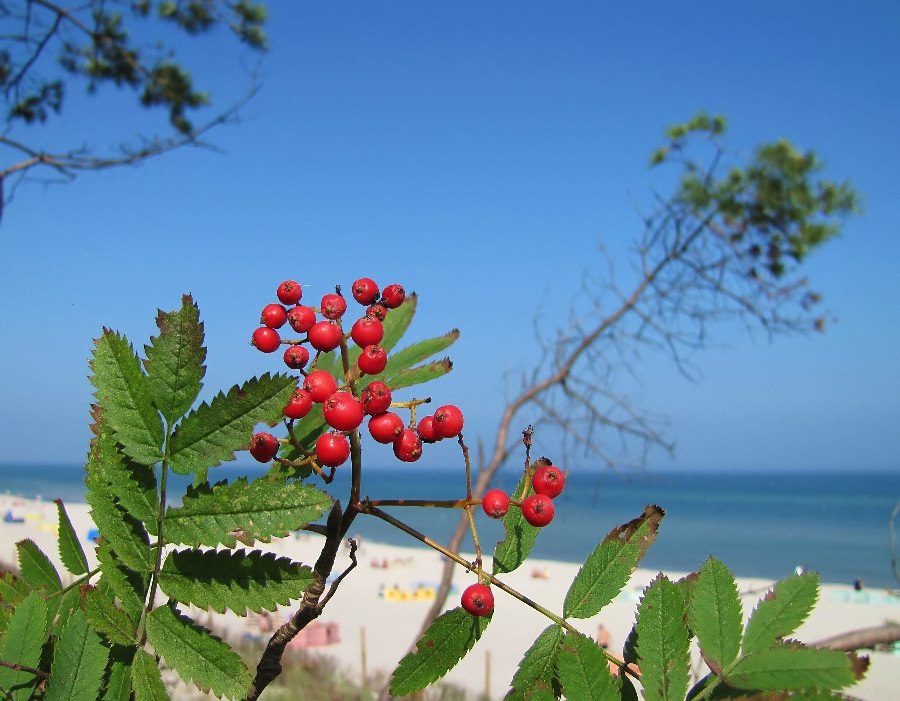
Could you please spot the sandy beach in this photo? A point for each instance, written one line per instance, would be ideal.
(380, 605)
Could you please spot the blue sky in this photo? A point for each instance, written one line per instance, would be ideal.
(479, 154)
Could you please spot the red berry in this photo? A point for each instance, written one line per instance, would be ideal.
(372, 360)
(333, 306)
(426, 431)
(273, 316)
(538, 510)
(265, 339)
(376, 398)
(367, 332)
(343, 411)
(495, 503)
(549, 480)
(325, 336)
(408, 447)
(296, 357)
(478, 600)
(332, 449)
(299, 404)
(392, 296)
(448, 421)
(301, 318)
(377, 311)
(263, 446)
(320, 385)
(289, 292)
(386, 427)
(365, 290)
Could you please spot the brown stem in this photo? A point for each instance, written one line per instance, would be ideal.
(23, 668)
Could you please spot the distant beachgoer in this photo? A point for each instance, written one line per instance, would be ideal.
(603, 639)
(859, 584)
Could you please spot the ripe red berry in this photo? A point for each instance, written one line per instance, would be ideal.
(265, 339)
(495, 503)
(320, 385)
(478, 600)
(549, 480)
(376, 398)
(296, 357)
(377, 311)
(386, 427)
(372, 360)
(426, 431)
(289, 292)
(538, 510)
(343, 411)
(367, 332)
(325, 336)
(263, 446)
(273, 316)
(299, 404)
(365, 290)
(333, 306)
(301, 318)
(448, 421)
(408, 447)
(332, 449)
(392, 296)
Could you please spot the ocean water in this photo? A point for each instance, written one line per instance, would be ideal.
(760, 525)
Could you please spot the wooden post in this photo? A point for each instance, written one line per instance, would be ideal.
(487, 675)
(362, 657)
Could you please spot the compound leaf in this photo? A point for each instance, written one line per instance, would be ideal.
(608, 568)
(419, 374)
(662, 641)
(537, 668)
(714, 613)
(128, 586)
(125, 534)
(583, 670)
(781, 611)
(196, 654)
(447, 640)
(79, 661)
(70, 551)
(794, 667)
(417, 352)
(243, 511)
(518, 539)
(220, 579)
(146, 679)
(212, 432)
(103, 614)
(25, 636)
(35, 567)
(175, 359)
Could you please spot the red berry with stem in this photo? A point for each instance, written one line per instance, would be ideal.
(386, 427)
(265, 339)
(273, 316)
(495, 503)
(376, 398)
(478, 600)
(426, 431)
(332, 449)
(372, 360)
(320, 385)
(408, 447)
(377, 311)
(392, 296)
(538, 510)
(333, 306)
(301, 318)
(343, 411)
(296, 357)
(367, 332)
(263, 446)
(299, 404)
(325, 336)
(364, 290)
(548, 480)
(448, 421)
(289, 292)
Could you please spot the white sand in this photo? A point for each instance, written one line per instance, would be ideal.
(388, 626)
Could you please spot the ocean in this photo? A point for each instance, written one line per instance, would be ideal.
(760, 525)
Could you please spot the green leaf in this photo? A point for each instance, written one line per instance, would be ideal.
(714, 613)
(220, 579)
(125, 534)
(122, 392)
(450, 636)
(79, 662)
(25, 636)
(781, 611)
(12, 588)
(35, 567)
(118, 677)
(518, 539)
(792, 667)
(213, 432)
(419, 375)
(146, 679)
(397, 321)
(608, 568)
(196, 654)
(128, 586)
(259, 510)
(662, 641)
(103, 614)
(175, 359)
(584, 671)
(70, 551)
(537, 669)
(417, 352)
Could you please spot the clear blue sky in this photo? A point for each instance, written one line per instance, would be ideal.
(479, 154)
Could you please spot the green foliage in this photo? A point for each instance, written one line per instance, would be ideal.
(70, 551)
(583, 671)
(715, 614)
(537, 670)
(36, 568)
(518, 540)
(26, 633)
(781, 611)
(78, 662)
(662, 641)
